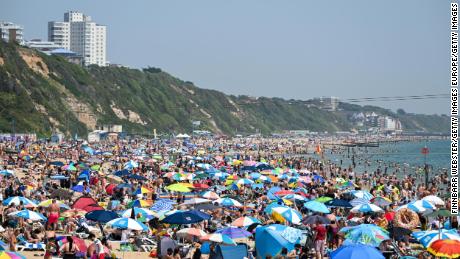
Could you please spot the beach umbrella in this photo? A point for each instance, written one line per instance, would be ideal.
(356, 251)
(126, 223)
(200, 186)
(219, 238)
(359, 201)
(141, 190)
(210, 195)
(47, 203)
(428, 237)
(234, 232)
(69, 167)
(131, 164)
(244, 181)
(434, 200)
(245, 221)
(362, 194)
(284, 192)
(255, 176)
(419, 206)
(323, 199)
(11, 255)
(162, 205)
(273, 205)
(295, 197)
(184, 217)
(95, 167)
(144, 212)
(137, 177)
(314, 219)
(445, 248)
(178, 187)
(6, 172)
(338, 203)
(139, 203)
(316, 206)
(81, 188)
(367, 234)
(381, 201)
(191, 232)
(28, 214)
(16, 200)
(194, 201)
(271, 239)
(121, 173)
(287, 214)
(366, 208)
(102, 216)
(439, 213)
(57, 163)
(228, 202)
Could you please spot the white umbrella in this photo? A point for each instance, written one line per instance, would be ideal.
(434, 200)
(194, 201)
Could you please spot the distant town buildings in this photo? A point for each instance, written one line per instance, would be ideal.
(328, 103)
(78, 33)
(11, 32)
(376, 123)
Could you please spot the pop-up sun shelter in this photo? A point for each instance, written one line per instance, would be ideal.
(230, 252)
(271, 239)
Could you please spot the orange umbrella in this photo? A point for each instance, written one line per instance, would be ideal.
(445, 248)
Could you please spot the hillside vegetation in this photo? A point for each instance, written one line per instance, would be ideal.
(40, 92)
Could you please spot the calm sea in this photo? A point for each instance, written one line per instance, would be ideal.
(401, 154)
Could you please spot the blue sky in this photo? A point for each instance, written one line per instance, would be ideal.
(291, 49)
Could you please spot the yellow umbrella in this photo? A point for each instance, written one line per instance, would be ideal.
(178, 187)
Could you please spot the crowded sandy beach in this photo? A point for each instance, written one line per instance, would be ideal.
(209, 197)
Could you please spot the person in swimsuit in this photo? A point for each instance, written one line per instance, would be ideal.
(69, 249)
(53, 216)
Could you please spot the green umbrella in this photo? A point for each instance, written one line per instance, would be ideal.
(323, 199)
(95, 167)
(440, 213)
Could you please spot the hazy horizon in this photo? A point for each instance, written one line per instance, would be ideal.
(293, 50)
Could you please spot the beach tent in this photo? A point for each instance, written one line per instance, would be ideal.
(271, 239)
(230, 252)
(86, 203)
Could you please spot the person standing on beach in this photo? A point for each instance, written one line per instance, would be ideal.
(53, 216)
(320, 240)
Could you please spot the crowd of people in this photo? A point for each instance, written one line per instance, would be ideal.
(244, 179)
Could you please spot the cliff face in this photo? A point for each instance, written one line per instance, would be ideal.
(42, 92)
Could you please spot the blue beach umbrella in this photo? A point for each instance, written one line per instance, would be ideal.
(356, 251)
(28, 214)
(102, 216)
(366, 208)
(359, 201)
(234, 232)
(428, 237)
(316, 206)
(18, 200)
(183, 217)
(367, 234)
(162, 205)
(362, 194)
(127, 223)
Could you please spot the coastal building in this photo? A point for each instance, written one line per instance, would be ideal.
(44, 46)
(328, 103)
(11, 32)
(78, 33)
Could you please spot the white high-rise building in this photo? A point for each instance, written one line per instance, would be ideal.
(81, 35)
(11, 32)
